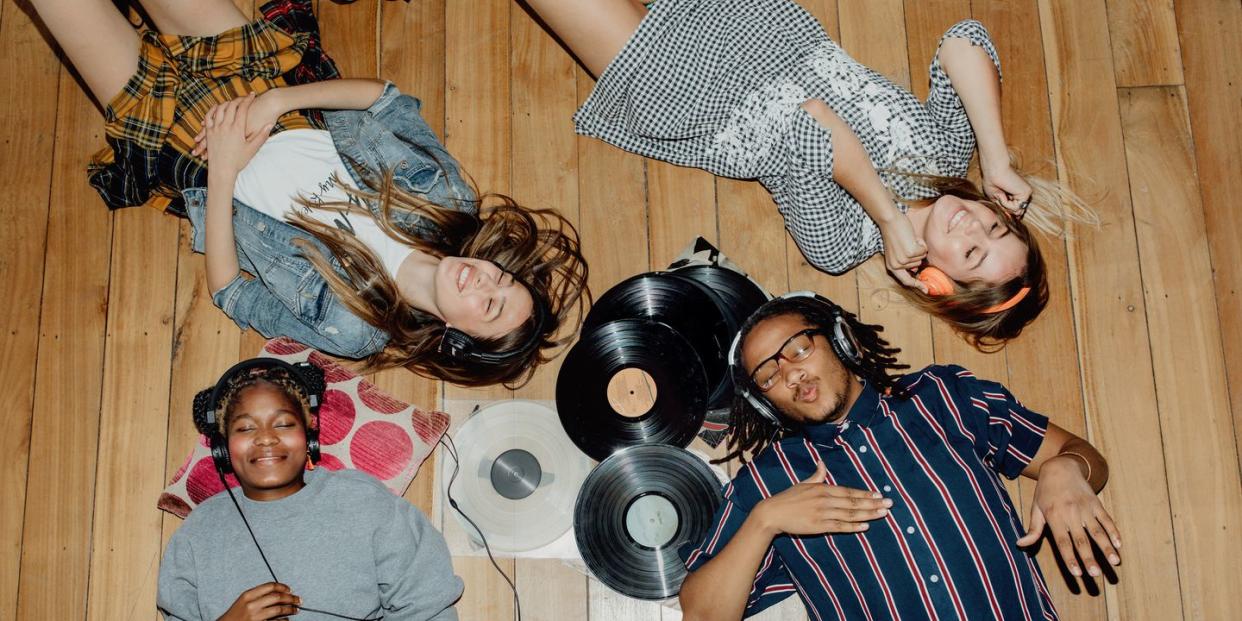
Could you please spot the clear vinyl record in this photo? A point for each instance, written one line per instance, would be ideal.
(519, 475)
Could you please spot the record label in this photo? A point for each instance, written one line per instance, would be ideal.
(651, 521)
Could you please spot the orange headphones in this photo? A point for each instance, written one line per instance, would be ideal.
(939, 284)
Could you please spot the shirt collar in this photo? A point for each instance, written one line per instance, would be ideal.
(863, 412)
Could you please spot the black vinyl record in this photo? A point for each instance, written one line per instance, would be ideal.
(737, 297)
(636, 509)
(591, 420)
(682, 304)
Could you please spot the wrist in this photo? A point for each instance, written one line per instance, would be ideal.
(1069, 463)
(760, 519)
(993, 159)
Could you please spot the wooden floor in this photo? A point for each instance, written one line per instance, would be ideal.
(1135, 104)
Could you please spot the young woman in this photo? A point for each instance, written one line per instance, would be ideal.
(360, 234)
(321, 543)
(755, 89)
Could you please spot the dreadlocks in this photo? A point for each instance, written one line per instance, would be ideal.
(277, 377)
(749, 431)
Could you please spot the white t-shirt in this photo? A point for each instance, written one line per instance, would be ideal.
(302, 162)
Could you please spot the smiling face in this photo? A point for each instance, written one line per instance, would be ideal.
(970, 242)
(817, 389)
(479, 298)
(267, 442)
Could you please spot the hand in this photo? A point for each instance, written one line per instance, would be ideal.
(261, 117)
(271, 600)
(903, 251)
(1005, 186)
(225, 127)
(813, 508)
(1066, 504)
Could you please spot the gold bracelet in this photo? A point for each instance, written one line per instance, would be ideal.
(1084, 460)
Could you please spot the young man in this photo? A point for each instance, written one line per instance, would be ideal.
(342, 545)
(876, 497)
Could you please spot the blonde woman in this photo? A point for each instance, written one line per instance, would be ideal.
(330, 212)
(755, 89)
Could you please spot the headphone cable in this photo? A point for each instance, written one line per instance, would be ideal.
(451, 449)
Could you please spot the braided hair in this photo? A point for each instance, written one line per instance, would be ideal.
(749, 431)
(277, 377)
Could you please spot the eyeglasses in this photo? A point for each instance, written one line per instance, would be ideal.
(797, 348)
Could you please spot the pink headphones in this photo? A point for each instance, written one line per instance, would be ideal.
(939, 284)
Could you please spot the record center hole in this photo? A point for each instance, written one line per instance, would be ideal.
(631, 392)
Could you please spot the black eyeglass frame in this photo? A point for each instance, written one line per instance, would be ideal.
(780, 355)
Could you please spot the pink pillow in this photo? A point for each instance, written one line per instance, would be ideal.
(360, 427)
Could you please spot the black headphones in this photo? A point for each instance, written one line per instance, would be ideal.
(461, 346)
(208, 409)
(841, 336)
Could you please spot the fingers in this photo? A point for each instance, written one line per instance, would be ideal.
(1034, 529)
(841, 491)
(265, 589)
(1106, 521)
(1065, 546)
(905, 278)
(1101, 540)
(1082, 543)
(819, 476)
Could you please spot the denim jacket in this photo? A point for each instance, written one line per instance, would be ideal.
(287, 297)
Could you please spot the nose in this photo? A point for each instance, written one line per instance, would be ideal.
(792, 371)
(265, 437)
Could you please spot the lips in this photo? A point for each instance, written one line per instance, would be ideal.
(268, 460)
(808, 392)
(956, 219)
(463, 275)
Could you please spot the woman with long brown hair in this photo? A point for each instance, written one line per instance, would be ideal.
(359, 233)
(755, 89)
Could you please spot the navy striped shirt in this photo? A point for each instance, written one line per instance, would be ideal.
(946, 550)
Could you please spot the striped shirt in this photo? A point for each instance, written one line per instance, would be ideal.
(946, 550)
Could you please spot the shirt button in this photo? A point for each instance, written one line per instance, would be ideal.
(888, 488)
(862, 449)
(909, 530)
(934, 578)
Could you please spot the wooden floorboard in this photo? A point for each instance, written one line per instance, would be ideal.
(1135, 105)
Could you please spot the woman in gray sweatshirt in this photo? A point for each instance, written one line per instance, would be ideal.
(342, 545)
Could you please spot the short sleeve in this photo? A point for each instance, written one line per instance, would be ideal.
(772, 583)
(1006, 434)
(414, 568)
(942, 99)
(177, 594)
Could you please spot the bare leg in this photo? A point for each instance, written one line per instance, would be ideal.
(98, 40)
(200, 18)
(594, 30)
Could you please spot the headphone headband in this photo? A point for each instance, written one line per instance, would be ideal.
(207, 408)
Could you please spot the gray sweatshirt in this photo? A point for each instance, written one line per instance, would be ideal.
(343, 543)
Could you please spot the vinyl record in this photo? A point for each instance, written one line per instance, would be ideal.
(737, 297)
(636, 509)
(519, 473)
(680, 303)
(598, 426)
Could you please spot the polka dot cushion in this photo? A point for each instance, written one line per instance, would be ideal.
(360, 427)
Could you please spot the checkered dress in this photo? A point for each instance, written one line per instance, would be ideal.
(150, 125)
(718, 84)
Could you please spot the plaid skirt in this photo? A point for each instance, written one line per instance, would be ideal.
(150, 125)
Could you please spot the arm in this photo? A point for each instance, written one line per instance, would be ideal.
(721, 587)
(852, 170)
(415, 570)
(344, 94)
(977, 83)
(224, 130)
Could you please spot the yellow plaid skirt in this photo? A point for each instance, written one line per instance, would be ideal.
(151, 124)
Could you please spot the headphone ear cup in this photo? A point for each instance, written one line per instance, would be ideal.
(938, 283)
(844, 342)
(313, 382)
(457, 344)
(312, 444)
(220, 453)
